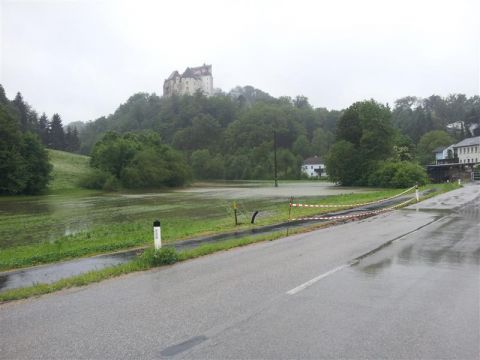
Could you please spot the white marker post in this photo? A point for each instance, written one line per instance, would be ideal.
(417, 195)
(459, 181)
(157, 234)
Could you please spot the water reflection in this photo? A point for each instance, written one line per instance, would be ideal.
(453, 242)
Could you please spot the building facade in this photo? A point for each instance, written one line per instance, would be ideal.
(192, 80)
(468, 150)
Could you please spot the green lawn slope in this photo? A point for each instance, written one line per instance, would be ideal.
(68, 168)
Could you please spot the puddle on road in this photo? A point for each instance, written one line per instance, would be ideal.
(453, 243)
(51, 273)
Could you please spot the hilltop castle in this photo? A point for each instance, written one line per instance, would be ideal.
(192, 80)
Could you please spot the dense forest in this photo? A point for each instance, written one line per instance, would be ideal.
(24, 165)
(230, 136)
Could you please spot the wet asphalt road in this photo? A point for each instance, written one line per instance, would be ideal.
(400, 285)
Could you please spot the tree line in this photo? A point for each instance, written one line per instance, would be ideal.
(24, 165)
(51, 131)
(225, 136)
(230, 136)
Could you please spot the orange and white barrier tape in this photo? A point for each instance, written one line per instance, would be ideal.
(351, 205)
(365, 213)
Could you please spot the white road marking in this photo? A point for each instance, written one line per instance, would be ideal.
(314, 280)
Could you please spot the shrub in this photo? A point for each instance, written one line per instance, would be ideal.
(95, 179)
(398, 175)
(136, 161)
(164, 256)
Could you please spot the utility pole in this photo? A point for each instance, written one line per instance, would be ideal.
(275, 157)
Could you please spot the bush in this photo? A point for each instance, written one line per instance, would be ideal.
(136, 161)
(164, 256)
(98, 179)
(398, 175)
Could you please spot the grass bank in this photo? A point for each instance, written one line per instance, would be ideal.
(68, 168)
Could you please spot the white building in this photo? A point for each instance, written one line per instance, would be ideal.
(468, 150)
(314, 167)
(444, 153)
(192, 80)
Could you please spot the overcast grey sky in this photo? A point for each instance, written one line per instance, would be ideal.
(83, 58)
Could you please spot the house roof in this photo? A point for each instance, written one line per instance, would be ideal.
(439, 149)
(469, 142)
(314, 160)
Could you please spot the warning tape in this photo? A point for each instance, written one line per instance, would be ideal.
(365, 213)
(350, 205)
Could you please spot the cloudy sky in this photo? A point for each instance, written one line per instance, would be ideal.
(83, 58)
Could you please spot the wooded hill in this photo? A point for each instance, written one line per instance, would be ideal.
(230, 136)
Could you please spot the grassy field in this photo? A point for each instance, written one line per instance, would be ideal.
(67, 170)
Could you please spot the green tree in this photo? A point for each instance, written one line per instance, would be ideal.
(56, 134)
(343, 163)
(429, 142)
(302, 147)
(43, 129)
(38, 166)
(24, 166)
(72, 143)
(138, 160)
(207, 166)
(322, 141)
(366, 135)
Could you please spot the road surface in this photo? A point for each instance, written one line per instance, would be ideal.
(400, 285)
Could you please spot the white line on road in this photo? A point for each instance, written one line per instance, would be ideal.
(314, 280)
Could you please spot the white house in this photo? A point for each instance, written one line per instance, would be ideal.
(468, 150)
(192, 80)
(313, 167)
(443, 153)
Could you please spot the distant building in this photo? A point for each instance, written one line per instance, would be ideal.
(468, 150)
(314, 167)
(445, 154)
(192, 80)
(457, 161)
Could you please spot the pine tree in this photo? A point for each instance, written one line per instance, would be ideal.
(56, 135)
(22, 111)
(72, 143)
(3, 96)
(43, 129)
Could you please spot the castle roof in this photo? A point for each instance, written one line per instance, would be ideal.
(189, 73)
(195, 72)
(173, 75)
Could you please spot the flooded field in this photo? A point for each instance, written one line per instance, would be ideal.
(33, 220)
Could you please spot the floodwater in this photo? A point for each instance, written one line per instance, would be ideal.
(101, 205)
(30, 220)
